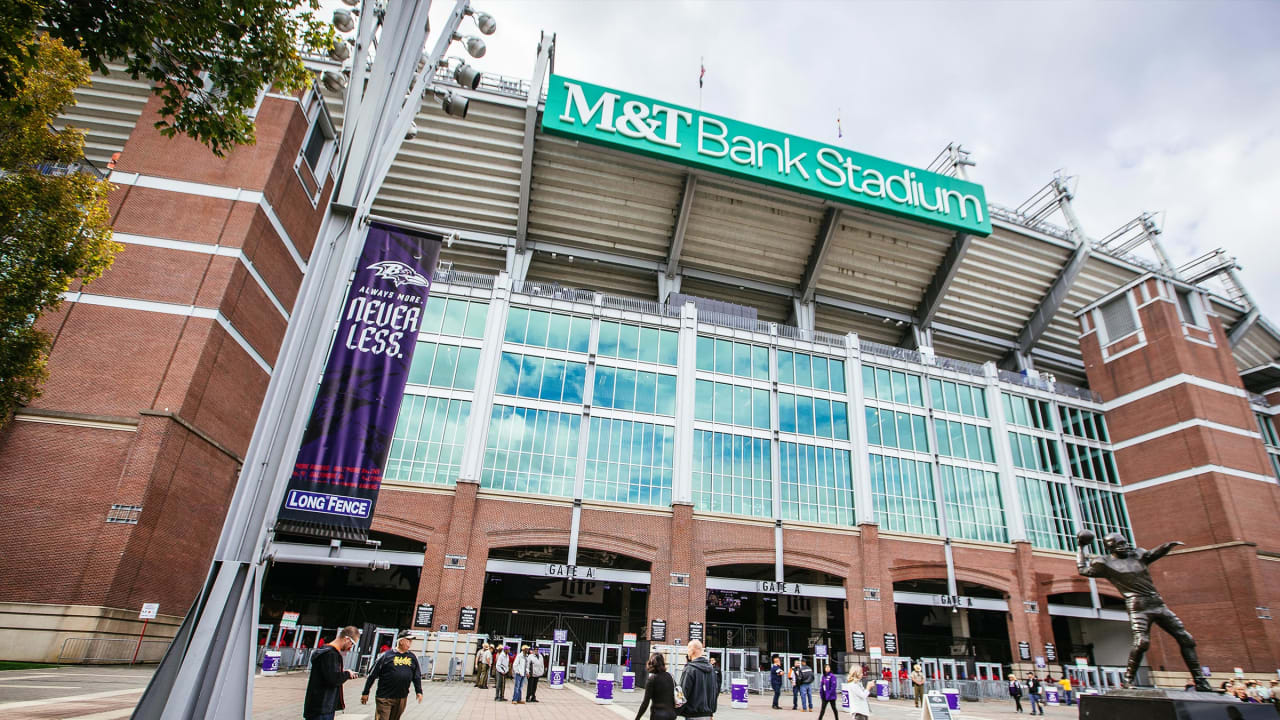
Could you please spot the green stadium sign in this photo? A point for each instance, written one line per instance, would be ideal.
(600, 115)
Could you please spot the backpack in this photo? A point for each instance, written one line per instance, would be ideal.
(806, 675)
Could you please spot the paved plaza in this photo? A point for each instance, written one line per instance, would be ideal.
(109, 693)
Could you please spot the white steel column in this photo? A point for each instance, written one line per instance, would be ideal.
(682, 467)
(495, 329)
(775, 465)
(584, 431)
(863, 500)
(1013, 517)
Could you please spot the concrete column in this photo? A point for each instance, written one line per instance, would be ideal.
(863, 500)
(682, 470)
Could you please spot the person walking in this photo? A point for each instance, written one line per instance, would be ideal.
(520, 669)
(536, 670)
(1065, 683)
(324, 686)
(394, 671)
(698, 682)
(917, 683)
(858, 694)
(776, 675)
(659, 691)
(806, 686)
(483, 657)
(1015, 692)
(501, 669)
(828, 692)
(1033, 691)
(719, 674)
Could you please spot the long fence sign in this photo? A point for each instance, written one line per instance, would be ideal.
(336, 477)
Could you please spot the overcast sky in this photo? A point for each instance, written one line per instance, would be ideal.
(1170, 107)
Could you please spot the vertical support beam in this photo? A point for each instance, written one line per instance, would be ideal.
(495, 325)
(803, 313)
(518, 265)
(1049, 305)
(1013, 516)
(682, 223)
(937, 289)
(546, 52)
(863, 502)
(682, 465)
(818, 256)
(575, 527)
(951, 568)
(779, 566)
(668, 285)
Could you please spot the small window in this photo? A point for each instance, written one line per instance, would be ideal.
(318, 148)
(1118, 318)
(124, 514)
(1187, 307)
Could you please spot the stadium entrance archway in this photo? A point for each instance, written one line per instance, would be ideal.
(1100, 636)
(750, 617)
(531, 591)
(962, 637)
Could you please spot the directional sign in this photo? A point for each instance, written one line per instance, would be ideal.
(289, 620)
(149, 611)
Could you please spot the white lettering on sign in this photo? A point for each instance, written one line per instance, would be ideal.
(955, 601)
(779, 588)
(570, 571)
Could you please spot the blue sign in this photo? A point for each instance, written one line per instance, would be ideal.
(329, 504)
(560, 636)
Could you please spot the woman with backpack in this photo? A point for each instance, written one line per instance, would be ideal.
(1015, 692)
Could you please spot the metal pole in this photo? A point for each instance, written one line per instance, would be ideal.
(138, 647)
(208, 670)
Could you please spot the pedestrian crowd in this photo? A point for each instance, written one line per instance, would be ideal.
(501, 663)
(1252, 691)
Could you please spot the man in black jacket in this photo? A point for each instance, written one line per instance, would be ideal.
(394, 671)
(699, 685)
(324, 687)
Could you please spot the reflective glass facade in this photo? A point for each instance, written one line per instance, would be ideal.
(586, 403)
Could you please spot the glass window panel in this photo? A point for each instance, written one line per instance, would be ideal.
(537, 332)
(724, 403)
(804, 373)
(517, 320)
(628, 341)
(988, 452)
(920, 431)
(888, 428)
(552, 380)
(580, 334)
(455, 317)
(649, 344)
(706, 353)
(445, 364)
(951, 397)
(558, 331)
(821, 380)
(822, 417)
(836, 368)
(898, 387)
(742, 360)
(646, 392)
(840, 420)
(760, 409)
(724, 357)
(956, 431)
(760, 362)
(873, 425)
(914, 395)
(608, 343)
(666, 395)
(669, 347)
(972, 443)
(468, 359)
(980, 402)
(476, 312)
(624, 390)
(935, 394)
(966, 399)
(868, 381)
(786, 412)
(786, 367)
(424, 356)
(804, 415)
(508, 374)
(703, 399)
(433, 314)
(742, 405)
(903, 421)
(530, 377)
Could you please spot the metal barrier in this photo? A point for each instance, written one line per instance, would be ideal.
(111, 650)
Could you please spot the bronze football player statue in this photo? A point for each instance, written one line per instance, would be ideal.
(1126, 567)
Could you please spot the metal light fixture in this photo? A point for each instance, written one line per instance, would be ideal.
(467, 76)
(341, 51)
(475, 46)
(343, 20)
(333, 81)
(485, 22)
(453, 104)
(351, 3)
(412, 132)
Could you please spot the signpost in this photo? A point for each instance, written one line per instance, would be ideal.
(819, 651)
(289, 620)
(559, 636)
(149, 610)
(628, 639)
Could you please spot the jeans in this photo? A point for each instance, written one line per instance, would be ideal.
(795, 695)
(517, 688)
(1035, 704)
(805, 698)
(777, 692)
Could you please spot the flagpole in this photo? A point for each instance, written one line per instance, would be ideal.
(702, 70)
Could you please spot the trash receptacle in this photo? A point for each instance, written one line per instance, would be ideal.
(882, 690)
(604, 689)
(738, 693)
(953, 698)
(557, 677)
(628, 682)
(270, 662)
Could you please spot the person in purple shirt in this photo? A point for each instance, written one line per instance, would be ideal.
(829, 692)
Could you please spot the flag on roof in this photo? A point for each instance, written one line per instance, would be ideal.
(839, 131)
(701, 73)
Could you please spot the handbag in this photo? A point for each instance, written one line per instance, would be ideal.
(679, 696)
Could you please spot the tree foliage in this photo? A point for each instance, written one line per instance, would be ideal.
(207, 59)
(54, 224)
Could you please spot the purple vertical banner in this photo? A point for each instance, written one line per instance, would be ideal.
(338, 471)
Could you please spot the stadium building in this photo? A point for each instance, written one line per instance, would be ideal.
(654, 399)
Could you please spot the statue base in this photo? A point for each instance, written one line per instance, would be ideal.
(1157, 704)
